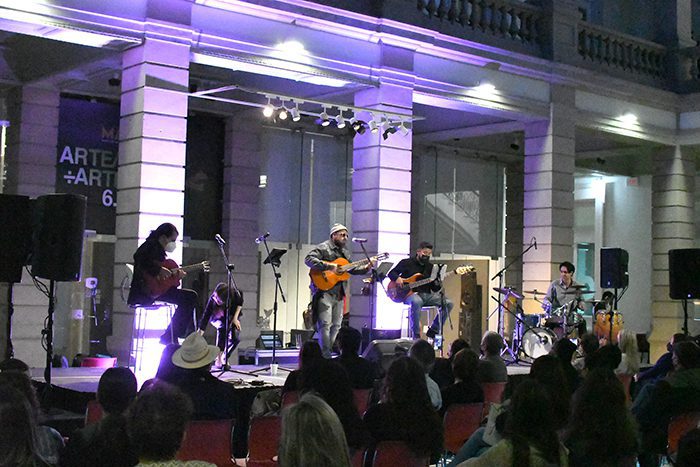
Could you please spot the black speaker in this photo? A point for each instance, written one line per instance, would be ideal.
(383, 352)
(684, 273)
(15, 236)
(613, 268)
(382, 334)
(59, 224)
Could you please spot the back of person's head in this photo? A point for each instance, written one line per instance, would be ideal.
(17, 428)
(564, 349)
(531, 422)
(404, 384)
(22, 383)
(491, 343)
(607, 357)
(312, 435)
(675, 339)
(465, 364)
(422, 352)
(589, 343)
(601, 427)
(547, 370)
(349, 340)
(330, 380)
(116, 389)
(627, 342)
(309, 354)
(457, 345)
(14, 364)
(686, 355)
(156, 421)
(689, 449)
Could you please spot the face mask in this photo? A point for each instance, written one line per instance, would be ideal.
(170, 247)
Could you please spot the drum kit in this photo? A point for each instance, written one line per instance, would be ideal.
(534, 335)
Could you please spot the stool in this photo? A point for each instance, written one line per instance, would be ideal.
(149, 321)
(432, 311)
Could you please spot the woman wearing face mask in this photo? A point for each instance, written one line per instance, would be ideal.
(148, 261)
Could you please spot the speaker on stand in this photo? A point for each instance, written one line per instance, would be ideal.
(684, 277)
(57, 249)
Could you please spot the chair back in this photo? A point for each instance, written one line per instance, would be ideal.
(207, 440)
(493, 394)
(460, 421)
(679, 426)
(289, 398)
(396, 453)
(263, 440)
(358, 459)
(361, 397)
(98, 362)
(93, 412)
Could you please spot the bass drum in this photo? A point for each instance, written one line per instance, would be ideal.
(537, 342)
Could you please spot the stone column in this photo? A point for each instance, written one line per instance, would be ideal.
(672, 212)
(31, 171)
(514, 232)
(240, 212)
(381, 197)
(548, 204)
(152, 134)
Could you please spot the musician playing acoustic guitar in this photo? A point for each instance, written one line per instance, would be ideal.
(327, 305)
(425, 295)
(148, 261)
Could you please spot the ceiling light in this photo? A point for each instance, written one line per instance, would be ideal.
(282, 115)
(629, 118)
(340, 121)
(295, 113)
(325, 120)
(389, 131)
(403, 128)
(268, 110)
(373, 127)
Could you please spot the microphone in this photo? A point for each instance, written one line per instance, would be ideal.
(220, 240)
(359, 240)
(534, 241)
(262, 238)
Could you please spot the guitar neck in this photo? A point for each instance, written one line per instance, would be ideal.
(354, 264)
(191, 267)
(427, 280)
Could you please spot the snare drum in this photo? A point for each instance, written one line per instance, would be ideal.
(537, 342)
(601, 327)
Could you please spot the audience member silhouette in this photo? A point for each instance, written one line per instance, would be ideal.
(465, 390)
(442, 369)
(309, 355)
(18, 430)
(492, 369)
(423, 352)
(362, 372)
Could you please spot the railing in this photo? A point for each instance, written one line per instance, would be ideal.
(501, 18)
(617, 50)
(689, 69)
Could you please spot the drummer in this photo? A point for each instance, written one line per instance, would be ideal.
(564, 291)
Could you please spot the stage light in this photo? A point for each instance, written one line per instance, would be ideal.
(373, 127)
(282, 115)
(403, 128)
(389, 131)
(325, 120)
(295, 113)
(340, 121)
(268, 110)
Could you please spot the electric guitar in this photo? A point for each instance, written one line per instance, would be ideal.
(157, 287)
(399, 293)
(325, 280)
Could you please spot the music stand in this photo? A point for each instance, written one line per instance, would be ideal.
(274, 260)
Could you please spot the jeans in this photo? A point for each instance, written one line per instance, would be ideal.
(474, 447)
(329, 317)
(418, 301)
(185, 300)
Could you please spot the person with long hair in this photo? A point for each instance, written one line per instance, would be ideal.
(18, 439)
(310, 355)
(405, 412)
(530, 433)
(601, 431)
(148, 261)
(214, 313)
(312, 435)
(627, 342)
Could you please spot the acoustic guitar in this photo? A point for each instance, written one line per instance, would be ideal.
(157, 287)
(325, 280)
(399, 293)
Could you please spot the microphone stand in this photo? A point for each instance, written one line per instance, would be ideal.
(501, 323)
(227, 320)
(274, 263)
(375, 278)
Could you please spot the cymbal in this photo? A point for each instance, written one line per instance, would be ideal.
(586, 291)
(508, 291)
(533, 292)
(577, 286)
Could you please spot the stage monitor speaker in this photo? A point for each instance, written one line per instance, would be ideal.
(384, 351)
(384, 334)
(15, 236)
(684, 273)
(59, 224)
(613, 268)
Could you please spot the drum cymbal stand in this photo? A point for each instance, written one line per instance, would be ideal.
(501, 331)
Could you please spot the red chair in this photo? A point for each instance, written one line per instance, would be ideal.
(289, 398)
(396, 453)
(98, 362)
(362, 398)
(358, 460)
(493, 394)
(207, 440)
(263, 440)
(93, 412)
(460, 421)
(679, 426)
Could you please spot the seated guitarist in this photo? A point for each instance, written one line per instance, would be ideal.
(327, 305)
(425, 295)
(147, 261)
